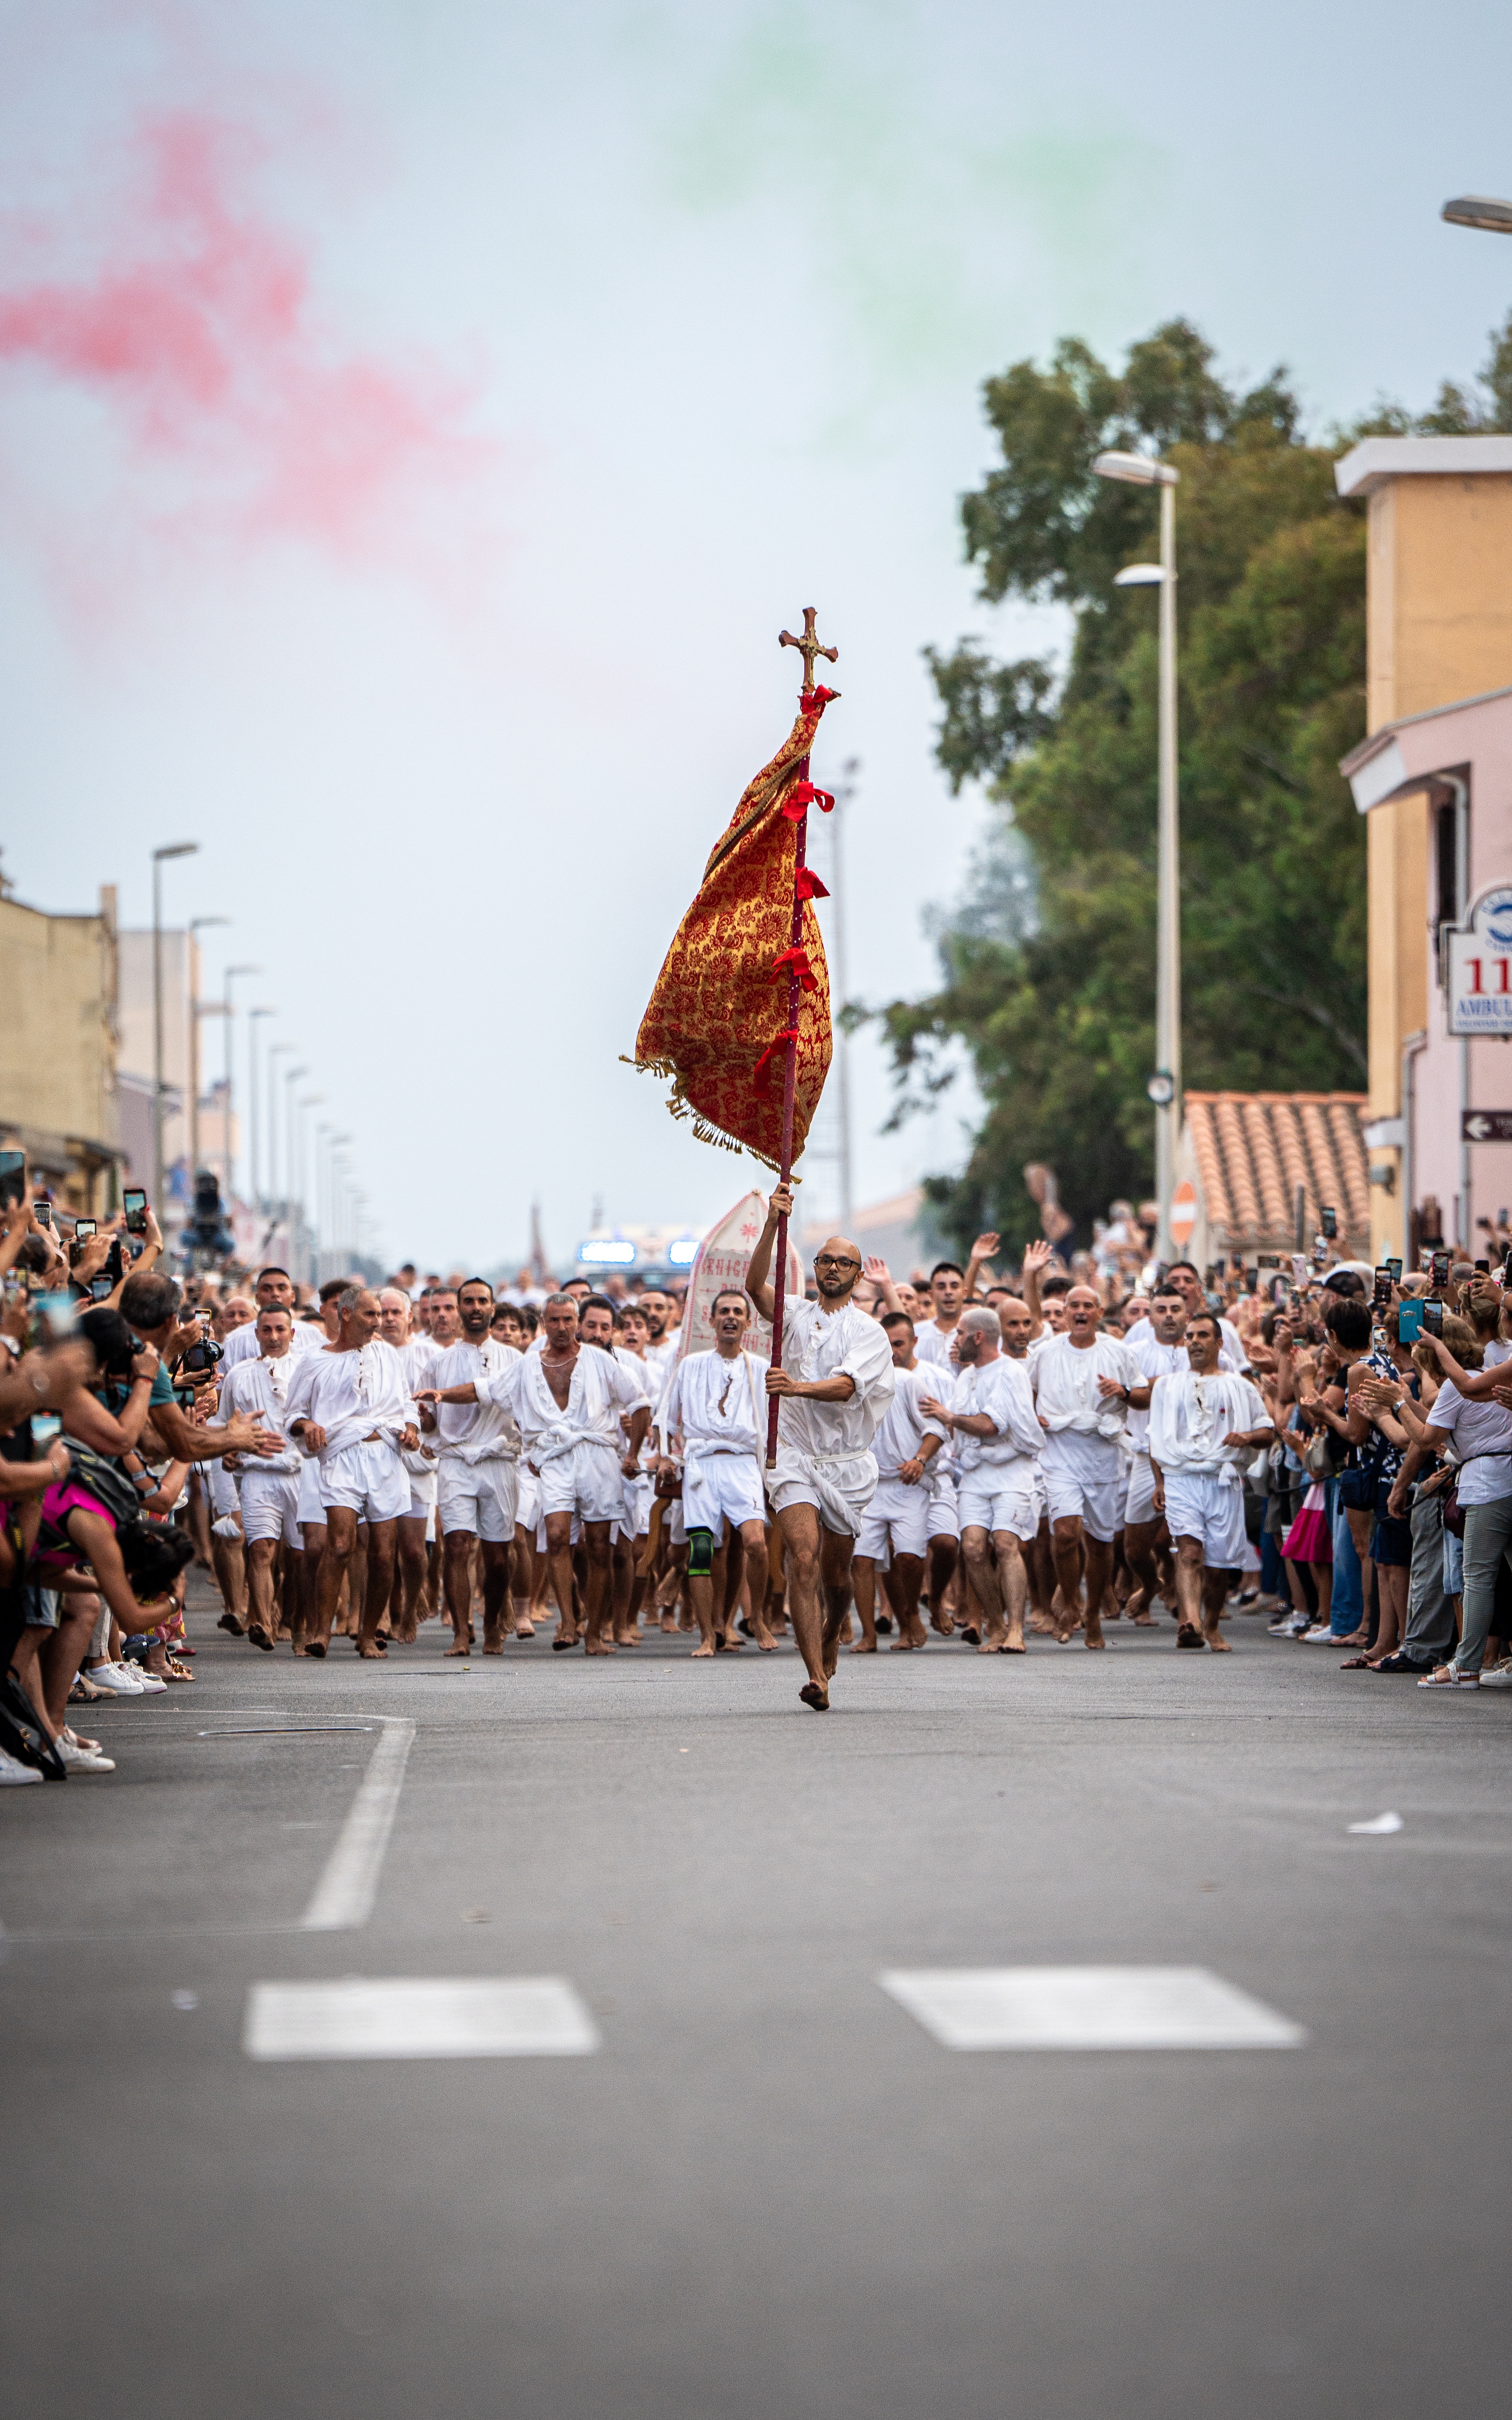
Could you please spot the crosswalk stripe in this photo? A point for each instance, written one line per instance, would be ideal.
(526, 2016)
(1087, 2008)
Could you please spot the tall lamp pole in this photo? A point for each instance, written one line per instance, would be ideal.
(254, 1105)
(196, 925)
(231, 974)
(279, 1051)
(1165, 1085)
(173, 848)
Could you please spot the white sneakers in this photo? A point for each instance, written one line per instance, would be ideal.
(13, 1774)
(80, 1759)
(125, 1679)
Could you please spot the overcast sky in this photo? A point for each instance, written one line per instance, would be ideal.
(418, 417)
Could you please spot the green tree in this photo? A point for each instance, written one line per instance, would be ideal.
(1048, 968)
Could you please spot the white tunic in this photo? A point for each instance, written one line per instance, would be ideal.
(473, 1433)
(719, 1407)
(817, 1343)
(903, 1427)
(261, 1387)
(351, 1394)
(1190, 1417)
(601, 1387)
(243, 1346)
(1066, 1390)
(933, 1342)
(1002, 1389)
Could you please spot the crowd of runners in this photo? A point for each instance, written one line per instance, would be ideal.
(971, 1459)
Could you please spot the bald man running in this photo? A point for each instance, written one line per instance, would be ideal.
(834, 1385)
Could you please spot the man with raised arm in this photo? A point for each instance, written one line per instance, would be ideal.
(1084, 1384)
(1205, 1424)
(991, 1410)
(567, 1399)
(716, 1403)
(349, 1406)
(834, 1385)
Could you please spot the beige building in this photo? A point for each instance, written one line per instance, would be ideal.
(1439, 599)
(59, 977)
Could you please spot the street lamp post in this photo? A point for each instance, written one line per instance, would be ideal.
(196, 925)
(254, 1117)
(1164, 1086)
(173, 848)
(230, 1018)
(278, 1050)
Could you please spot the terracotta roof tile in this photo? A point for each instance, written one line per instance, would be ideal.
(1253, 1149)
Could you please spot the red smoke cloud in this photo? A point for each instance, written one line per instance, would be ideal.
(194, 324)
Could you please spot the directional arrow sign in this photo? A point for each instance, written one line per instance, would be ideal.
(1485, 1126)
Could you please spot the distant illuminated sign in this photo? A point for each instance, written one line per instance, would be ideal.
(683, 1253)
(606, 1252)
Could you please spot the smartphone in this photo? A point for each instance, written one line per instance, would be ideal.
(1251, 1281)
(1319, 1251)
(46, 1428)
(1439, 1269)
(1382, 1287)
(1434, 1318)
(43, 1212)
(101, 1289)
(1267, 1261)
(12, 1178)
(134, 1203)
(1299, 1270)
(82, 1230)
(1409, 1320)
(1395, 1268)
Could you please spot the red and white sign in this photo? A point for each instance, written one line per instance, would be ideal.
(1183, 1213)
(1480, 968)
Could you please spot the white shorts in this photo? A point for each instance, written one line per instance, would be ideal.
(721, 1487)
(221, 1487)
(1084, 1475)
(587, 1482)
(1210, 1509)
(1140, 1506)
(368, 1479)
(527, 1497)
(1005, 1496)
(270, 1506)
(840, 1492)
(422, 1495)
(311, 1508)
(944, 1506)
(896, 1518)
(477, 1495)
(640, 1495)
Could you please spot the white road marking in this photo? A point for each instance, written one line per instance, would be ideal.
(528, 2016)
(1380, 1824)
(344, 1894)
(1087, 2007)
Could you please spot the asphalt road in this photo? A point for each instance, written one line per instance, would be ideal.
(768, 2193)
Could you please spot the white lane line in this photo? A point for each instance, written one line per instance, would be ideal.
(528, 2016)
(344, 1894)
(1087, 2007)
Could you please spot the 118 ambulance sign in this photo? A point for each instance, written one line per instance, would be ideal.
(1480, 968)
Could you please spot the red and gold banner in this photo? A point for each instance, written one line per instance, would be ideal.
(717, 1022)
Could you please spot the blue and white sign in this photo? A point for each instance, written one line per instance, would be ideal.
(1480, 967)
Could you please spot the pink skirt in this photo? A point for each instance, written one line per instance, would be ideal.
(1308, 1540)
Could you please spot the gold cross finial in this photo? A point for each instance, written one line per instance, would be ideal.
(808, 646)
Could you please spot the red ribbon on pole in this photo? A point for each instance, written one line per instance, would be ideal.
(788, 1037)
(799, 960)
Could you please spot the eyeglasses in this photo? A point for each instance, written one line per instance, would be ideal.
(832, 1261)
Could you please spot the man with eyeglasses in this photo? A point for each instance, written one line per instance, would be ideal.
(834, 1386)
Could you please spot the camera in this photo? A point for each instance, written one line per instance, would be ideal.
(1330, 1221)
(1434, 1318)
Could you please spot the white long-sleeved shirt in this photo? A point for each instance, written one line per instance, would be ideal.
(1158, 1361)
(1066, 1391)
(350, 1395)
(933, 1342)
(1191, 1416)
(602, 1386)
(261, 1387)
(817, 1343)
(1002, 1389)
(473, 1433)
(719, 1405)
(903, 1427)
